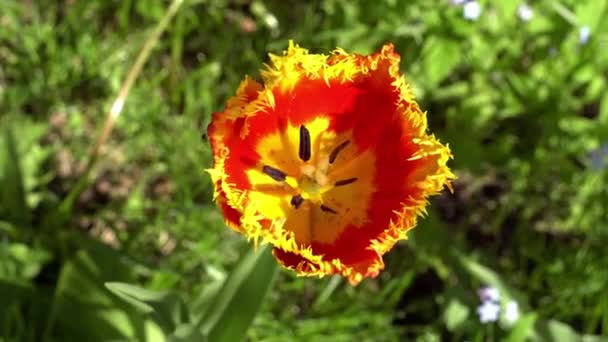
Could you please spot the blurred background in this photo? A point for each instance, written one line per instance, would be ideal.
(130, 246)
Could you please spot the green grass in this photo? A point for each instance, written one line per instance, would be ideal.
(523, 105)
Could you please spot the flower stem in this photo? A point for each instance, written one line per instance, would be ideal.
(565, 13)
(117, 106)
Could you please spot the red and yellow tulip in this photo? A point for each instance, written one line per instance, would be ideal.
(328, 160)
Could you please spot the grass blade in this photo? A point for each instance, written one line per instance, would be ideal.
(241, 297)
(12, 189)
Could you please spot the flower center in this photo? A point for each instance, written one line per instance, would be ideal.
(314, 181)
(311, 190)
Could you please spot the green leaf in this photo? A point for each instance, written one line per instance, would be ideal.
(523, 328)
(83, 305)
(486, 276)
(243, 293)
(603, 113)
(431, 243)
(22, 161)
(455, 314)
(507, 8)
(13, 204)
(455, 90)
(202, 304)
(15, 298)
(590, 12)
(441, 56)
(30, 260)
(328, 290)
(552, 330)
(135, 295)
(167, 309)
(187, 333)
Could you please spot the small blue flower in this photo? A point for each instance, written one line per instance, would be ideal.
(552, 51)
(584, 32)
(525, 12)
(598, 158)
(488, 312)
(489, 294)
(471, 10)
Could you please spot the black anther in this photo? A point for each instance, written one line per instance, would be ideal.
(296, 201)
(304, 151)
(345, 181)
(276, 174)
(334, 154)
(328, 209)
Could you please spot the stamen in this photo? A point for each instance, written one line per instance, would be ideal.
(334, 154)
(345, 181)
(304, 151)
(328, 209)
(296, 201)
(276, 174)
